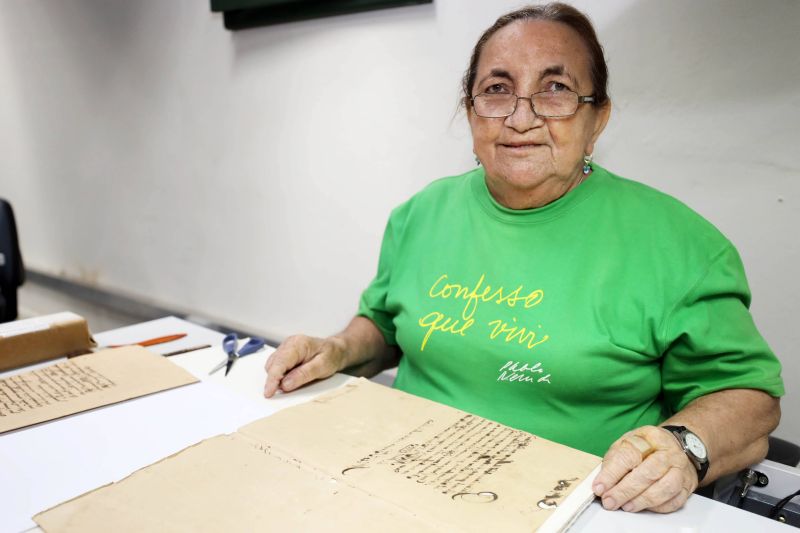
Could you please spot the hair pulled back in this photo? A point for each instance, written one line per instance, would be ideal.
(553, 12)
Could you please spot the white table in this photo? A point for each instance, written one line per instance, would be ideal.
(52, 462)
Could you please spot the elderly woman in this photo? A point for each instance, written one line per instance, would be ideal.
(546, 293)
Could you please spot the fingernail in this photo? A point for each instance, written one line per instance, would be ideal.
(287, 384)
(627, 507)
(609, 503)
(599, 489)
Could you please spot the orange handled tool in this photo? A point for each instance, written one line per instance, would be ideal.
(152, 342)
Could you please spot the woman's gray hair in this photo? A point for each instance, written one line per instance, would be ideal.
(553, 12)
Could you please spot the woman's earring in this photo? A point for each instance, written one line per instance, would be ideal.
(587, 164)
(477, 161)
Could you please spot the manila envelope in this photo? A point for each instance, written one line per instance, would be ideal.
(361, 458)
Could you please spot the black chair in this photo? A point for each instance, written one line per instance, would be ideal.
(783, 452)
(12, 272)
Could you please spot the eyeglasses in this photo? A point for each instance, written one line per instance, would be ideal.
(546, 104)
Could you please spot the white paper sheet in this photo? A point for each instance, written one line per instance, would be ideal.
(45, 465)
(195, 335)
(247, 377)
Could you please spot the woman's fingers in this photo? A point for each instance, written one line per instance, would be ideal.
(293, 352)
(678, 501)
(666, 496)
(645, 469)
(621, 459)
(318, 367)
(299, 360)
(669, 488)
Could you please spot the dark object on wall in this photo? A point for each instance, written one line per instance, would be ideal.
(243, 14)
(12, 273)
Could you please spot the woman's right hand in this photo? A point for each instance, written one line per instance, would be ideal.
(301, 359)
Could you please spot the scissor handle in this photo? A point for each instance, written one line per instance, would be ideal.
(252, 346)
(229, 343)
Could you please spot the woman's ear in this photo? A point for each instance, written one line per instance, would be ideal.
(602, 114)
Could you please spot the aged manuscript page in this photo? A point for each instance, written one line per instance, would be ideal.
(84, 383)
(364, 457)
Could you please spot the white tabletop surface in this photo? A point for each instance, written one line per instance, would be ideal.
(228, 403)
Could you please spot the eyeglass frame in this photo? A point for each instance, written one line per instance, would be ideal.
(587, 99)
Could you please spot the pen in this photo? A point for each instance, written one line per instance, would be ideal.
(152, 342)
(187, 350)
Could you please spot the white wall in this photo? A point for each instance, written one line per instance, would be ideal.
(247, 176)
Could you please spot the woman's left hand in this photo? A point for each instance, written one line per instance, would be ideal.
(646, 468)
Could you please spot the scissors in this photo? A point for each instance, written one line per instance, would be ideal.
(230, 344)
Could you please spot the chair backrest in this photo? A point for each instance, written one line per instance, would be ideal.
(783, 451)
(12, 271)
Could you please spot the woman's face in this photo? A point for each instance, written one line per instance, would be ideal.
(531, 161)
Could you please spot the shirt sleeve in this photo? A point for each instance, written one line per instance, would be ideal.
(373, 304)
(711, 342)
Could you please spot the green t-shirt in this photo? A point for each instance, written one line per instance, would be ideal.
(608, 309)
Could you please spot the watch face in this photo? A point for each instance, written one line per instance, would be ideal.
(695, 445)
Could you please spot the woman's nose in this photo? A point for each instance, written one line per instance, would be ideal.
(523, 118)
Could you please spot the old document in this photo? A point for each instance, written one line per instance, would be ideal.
(83, 383)
(364, 457)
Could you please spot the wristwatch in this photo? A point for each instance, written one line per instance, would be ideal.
(693, 447)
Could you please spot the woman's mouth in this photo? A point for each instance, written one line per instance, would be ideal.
(520, 147)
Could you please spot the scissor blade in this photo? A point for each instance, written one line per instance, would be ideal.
(229, 365)
(219, 366)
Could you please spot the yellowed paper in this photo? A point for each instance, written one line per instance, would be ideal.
(364, 457)
(84, 383)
